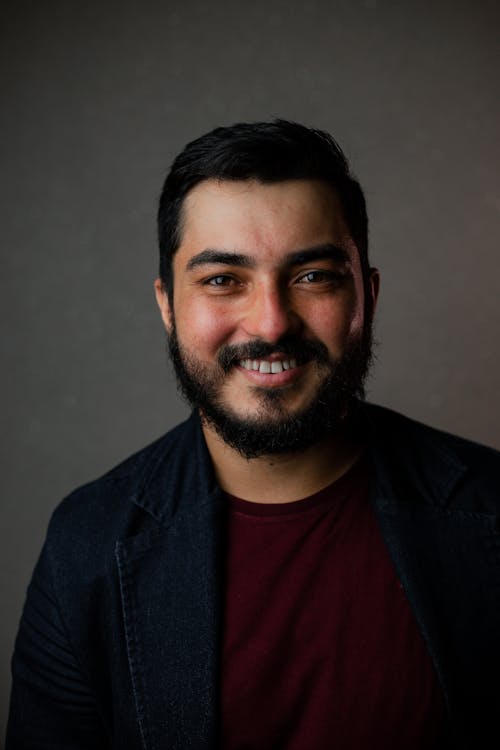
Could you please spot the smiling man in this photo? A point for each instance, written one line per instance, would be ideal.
(291, 568)
(268, 329)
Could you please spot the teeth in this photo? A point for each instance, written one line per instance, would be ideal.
(268, 367)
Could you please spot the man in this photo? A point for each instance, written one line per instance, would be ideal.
(290, 568)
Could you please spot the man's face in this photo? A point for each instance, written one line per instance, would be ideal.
(267, 326)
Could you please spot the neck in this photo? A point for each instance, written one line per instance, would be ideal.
(285, 477)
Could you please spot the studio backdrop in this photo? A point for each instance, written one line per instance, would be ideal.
(99, 97)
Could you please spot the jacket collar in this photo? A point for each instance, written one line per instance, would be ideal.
(179, 477)
(406, 454)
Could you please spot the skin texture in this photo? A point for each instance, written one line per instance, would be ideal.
(265, 294)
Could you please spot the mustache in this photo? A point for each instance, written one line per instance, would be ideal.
(303, 350)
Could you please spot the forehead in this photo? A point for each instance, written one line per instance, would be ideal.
(264, 220)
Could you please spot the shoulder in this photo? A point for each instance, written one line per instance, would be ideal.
(112, 506)
(466, 472)
(394, 426)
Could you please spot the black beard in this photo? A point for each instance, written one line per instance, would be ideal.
(277, 432)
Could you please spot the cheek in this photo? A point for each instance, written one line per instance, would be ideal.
(335, 324)
(199, 328)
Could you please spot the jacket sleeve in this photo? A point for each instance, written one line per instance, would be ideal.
(51, 704)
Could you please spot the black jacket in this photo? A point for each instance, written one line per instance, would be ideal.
(118, 643)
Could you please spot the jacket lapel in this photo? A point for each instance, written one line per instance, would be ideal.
(170, 588)
(448, 561)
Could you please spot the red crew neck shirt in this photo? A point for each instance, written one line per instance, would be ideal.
(320, 648)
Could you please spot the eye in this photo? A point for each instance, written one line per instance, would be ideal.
(320, 276)
(219, 281)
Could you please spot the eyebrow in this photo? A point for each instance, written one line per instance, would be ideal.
(208, 257)
(326, 251)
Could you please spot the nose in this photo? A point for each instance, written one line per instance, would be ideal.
(269, 314)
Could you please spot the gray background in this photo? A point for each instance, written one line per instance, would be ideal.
(98, 98)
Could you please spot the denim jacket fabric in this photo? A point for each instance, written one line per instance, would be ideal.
(119, 639)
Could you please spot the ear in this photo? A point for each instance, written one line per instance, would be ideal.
(164, 304)
(373, 287)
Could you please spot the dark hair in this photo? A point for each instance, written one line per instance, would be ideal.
(268, 152)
